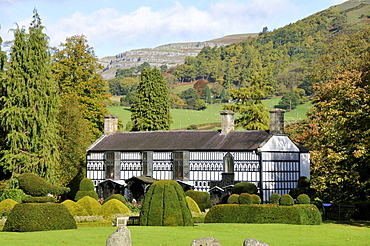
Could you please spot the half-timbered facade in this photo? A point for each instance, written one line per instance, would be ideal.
(270, 159)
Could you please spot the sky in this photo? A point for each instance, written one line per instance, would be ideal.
(115, 26)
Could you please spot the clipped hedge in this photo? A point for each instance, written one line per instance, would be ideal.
(286, 200)
(245, 198)
(303, 199)
(275, 198)
(256, 199)
(264, 213)
(39, 199)
(119, 197)
(193, 206)
(113, 207)
(29, 217)
(233, 199)
(86, 185)
(14, 194)
(201, 198)
(244, 187)
(165, 205)
(6, 206)
(75, 209)
(86, 189)
(91, 205)
(34, 185)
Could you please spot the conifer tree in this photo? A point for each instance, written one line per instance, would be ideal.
(29, 105)
(151, 109)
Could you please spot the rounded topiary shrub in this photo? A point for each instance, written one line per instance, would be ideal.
(39, 217)
(233, 199)
(303, 182)
(113, 207)
(91, 205)
(38, 199)
(34, 185)
(245, 198)
(193, 206)
(86, 185)
(119, 197)
(86, 189)
(6, 206)
(244, 187)
(202, 198)
(256, 199)
(165, 205)
(286, 200)
(75, 209)
(14, 194)
(275, 198)
(303, 199)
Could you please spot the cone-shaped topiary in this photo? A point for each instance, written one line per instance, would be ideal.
(201, 198)
(245, 198)
(286, 200)
(6, 206)
(193, 206)
(119, 197)
(303, 199)
(244, 187)
(86, 189)
(75, 209)
(34, 185)
(256, 199)
(112, 207)
(165, 205)
(233, 199)
(275, 198)
(91, 205)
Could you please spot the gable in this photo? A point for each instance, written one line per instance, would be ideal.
(280, 143)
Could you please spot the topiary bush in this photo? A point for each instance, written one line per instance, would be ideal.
(14, 194)
(40, 199)
(29, 217)
(119, 197)
(303, 199)
(256, 199)
(303, 188)
(286, 200)
(6, 206)
(275, 198)
(113, 207)
(34, 185)
(165, 205)
(86, 189)
(203, 199)
(245, 198)
(75, 209)
(233, 199)
(244, 187)
(193, 206)
(91, 205)
(303, 182)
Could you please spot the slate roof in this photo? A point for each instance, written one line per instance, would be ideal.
(180, 140)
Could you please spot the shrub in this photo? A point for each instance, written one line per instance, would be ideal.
(6, 206)
(303, 199)
(75, 209)
(295, 192)
(286, 200)
(256, 199)
(91, 205)
(306, 214)
(119, 197)
(40, 199)
(14, 194)
(193, 206)
(165, 205)
(303, 182)
(244, 187)
(39, 217)
(245, 198)
(86, 185)
(86, 189)
(112, 207)
(233, 199)
(275, 198)
(81, 194)
(34, 185)
(203, 199)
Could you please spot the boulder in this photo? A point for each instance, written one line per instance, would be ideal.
(120, 237)
(206, 241)
(253, 242)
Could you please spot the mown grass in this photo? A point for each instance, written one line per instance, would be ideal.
(228, 234)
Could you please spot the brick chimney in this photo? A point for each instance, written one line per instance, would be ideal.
(110, 124)
(277, 121)
(227, 121)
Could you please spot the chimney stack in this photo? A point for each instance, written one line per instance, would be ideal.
(277, 121)
(110, 124)
(227, 121)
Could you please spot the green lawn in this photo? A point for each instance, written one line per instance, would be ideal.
(228, 234)
(182, 118)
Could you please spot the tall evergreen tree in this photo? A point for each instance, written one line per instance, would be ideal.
(151, 109)
(29, 106)
(76, 70)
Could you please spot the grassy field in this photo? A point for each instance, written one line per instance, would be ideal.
(182, 118)
(228, 234)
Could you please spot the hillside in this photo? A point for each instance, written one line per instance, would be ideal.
(168, 54)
